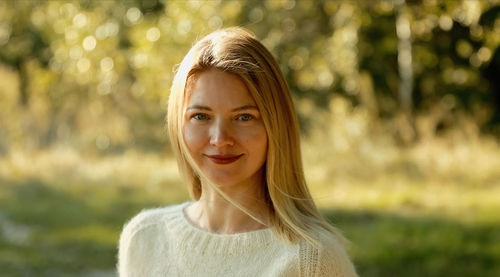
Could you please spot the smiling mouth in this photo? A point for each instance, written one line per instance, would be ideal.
(224, 159)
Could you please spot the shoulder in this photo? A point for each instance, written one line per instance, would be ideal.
(140, 238)
(333, 260)
(149, 218)
(329, 259)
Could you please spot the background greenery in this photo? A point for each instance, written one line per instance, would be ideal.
(398, 103)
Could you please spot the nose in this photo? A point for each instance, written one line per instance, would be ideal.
(221, 134)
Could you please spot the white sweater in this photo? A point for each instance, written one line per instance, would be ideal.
(162, 242)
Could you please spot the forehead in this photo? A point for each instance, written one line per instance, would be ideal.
(217, 87)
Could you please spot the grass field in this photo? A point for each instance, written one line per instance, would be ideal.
(432, 209)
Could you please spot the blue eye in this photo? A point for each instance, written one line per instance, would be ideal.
(200, 116)
(245, 117)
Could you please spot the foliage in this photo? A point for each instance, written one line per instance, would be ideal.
(96, 74)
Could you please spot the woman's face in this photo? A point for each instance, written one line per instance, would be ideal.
(224, 131)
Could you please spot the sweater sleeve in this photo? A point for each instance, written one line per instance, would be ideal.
(136, 241)
(334, 261)
(126, 245)
(123, 248)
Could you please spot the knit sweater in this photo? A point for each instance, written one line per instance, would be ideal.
(162, 242)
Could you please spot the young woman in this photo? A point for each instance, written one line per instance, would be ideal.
(234, 131)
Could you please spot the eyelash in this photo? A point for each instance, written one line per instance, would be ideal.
(195, 116)
(247, 115)
(250, 117)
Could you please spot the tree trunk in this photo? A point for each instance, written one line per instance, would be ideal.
(23, 83)
(405, 65)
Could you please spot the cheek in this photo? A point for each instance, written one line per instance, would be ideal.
(194, 137)
(256, 140)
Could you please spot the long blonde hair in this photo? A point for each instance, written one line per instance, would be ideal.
(294, 215)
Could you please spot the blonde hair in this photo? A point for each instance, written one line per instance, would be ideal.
(294, 215)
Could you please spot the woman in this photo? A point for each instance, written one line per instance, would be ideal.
(233, 128)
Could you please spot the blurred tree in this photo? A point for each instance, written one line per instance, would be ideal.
(96, 74)
(490, 19)
(21, 41)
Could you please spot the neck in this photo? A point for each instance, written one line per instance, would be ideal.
(214, 213)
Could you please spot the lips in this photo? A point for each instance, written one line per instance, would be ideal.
(224, 159)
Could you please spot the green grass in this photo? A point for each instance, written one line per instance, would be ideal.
(73, 229)
(386, 244)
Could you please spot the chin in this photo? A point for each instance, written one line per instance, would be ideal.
(222, 181)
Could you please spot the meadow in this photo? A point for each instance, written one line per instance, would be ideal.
(427, 209)
(397, 101)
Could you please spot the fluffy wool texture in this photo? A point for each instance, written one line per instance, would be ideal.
(162, 242)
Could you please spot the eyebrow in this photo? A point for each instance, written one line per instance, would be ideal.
(245, 107)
